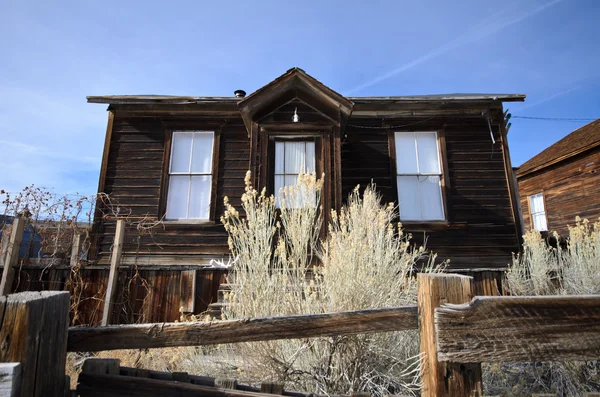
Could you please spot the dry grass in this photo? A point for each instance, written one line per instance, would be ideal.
(543, 270)
(366, 262)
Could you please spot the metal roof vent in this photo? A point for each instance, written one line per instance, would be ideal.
(239, 93)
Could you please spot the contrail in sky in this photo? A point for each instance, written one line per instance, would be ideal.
(551, 97)
(484, 30)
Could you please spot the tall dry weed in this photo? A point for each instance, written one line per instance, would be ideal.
(543, 270)
(366, 262)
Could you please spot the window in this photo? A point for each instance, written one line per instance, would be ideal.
(419, 176)
(292, 157)
(190, 175)
(538, 212)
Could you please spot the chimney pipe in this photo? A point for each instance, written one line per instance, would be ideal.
(239, 93)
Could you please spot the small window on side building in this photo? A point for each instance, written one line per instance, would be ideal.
(538, 212)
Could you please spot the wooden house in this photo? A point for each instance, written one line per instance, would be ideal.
(445, 158)
(562, 182)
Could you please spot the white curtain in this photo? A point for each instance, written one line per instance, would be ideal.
(202, 153)
(428, 153)
(538, 212)
(200, 197)
(431, 198)
(279, 157)
(180, 154)
(539, 222)
(310, 158)
(291, 158)
(295, 156)
(408, 197)
(537, 203)
(406, 153)
(177, 200)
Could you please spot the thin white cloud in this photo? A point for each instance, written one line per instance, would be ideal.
(550, 98)
(478, 32)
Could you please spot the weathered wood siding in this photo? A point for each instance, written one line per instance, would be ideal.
(480, 232)
(571, 188)
(133, 180)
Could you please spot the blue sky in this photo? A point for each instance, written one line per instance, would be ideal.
(56, 53)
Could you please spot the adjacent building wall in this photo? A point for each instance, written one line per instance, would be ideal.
(571, 188)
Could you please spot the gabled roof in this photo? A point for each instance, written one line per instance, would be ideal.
(295, 84)
(578, 141)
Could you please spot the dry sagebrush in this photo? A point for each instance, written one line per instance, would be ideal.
(366, 262)
(543, 270)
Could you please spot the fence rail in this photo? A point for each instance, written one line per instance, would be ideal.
(143, 336)
(511, 329)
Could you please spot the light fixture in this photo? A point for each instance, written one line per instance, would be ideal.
(295, 117)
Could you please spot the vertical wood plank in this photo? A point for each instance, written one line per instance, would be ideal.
(4, 249)
(111, 288)
(444, 379)
(34, 333)
(12, 255)
(75, 249)
(187, 290)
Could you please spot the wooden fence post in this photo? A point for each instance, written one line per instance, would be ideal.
(75, 248)
(111, 287)
(33, 332)
(12, 255)
(444, 379)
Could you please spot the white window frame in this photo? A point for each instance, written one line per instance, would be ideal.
(533, 214)
(190, 173)
(418, 174)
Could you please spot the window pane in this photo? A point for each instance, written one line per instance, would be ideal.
(310, 157)
(431, 198)
(428, 153)
(539, 222)
(202, 154)
(291, 180)
(180, 154)
(279, 180)
(200, 197)
(279, 150)
(178, 197)
(408, 198)
(294, 157)
(279, 183)
(406, 153)
(293, 200)
(537, 203)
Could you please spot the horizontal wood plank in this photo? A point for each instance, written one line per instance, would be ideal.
(513, 329)
(91, 385)
(141, 336)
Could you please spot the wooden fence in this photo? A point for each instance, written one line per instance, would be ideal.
(119, 294)
(457, 331)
